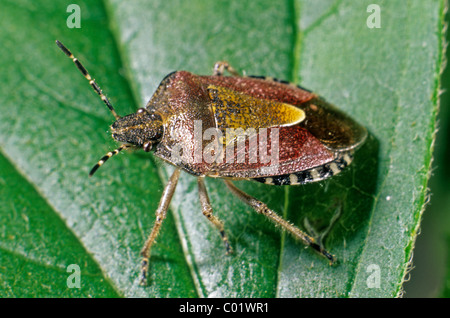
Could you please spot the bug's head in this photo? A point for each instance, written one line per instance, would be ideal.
(140, 130)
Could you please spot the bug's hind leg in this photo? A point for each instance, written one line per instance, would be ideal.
(221, 66)
(161, 213)
(262, 208)
(208, 212)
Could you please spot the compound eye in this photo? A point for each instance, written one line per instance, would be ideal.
(147, 146)
(141, 110)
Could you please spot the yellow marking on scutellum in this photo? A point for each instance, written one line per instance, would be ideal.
(247, 111)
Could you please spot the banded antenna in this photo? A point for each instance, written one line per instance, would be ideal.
(86, 74)
(98, 90)
(105, 158)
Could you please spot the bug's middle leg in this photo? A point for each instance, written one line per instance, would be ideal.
(161, 213)
(208, 212)
(262, 208)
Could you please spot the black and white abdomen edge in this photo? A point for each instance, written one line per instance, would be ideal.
(343, 159)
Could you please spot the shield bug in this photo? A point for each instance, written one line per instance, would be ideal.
(235, 127)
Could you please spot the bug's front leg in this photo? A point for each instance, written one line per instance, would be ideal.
(262, 208)
(161, 213)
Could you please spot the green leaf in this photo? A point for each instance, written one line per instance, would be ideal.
(53, 128)
(431, 275)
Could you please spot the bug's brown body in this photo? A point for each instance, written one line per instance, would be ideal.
(324, 136)
(197, 123)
